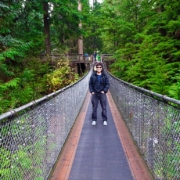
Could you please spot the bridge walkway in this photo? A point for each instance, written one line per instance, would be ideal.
(100, 152)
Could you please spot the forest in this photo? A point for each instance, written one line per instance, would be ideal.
(142, 35)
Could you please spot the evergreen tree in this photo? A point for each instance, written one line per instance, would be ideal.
(145, 38)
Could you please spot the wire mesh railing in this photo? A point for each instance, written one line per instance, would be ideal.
(154, 122)
(32, 136)
(71, 57)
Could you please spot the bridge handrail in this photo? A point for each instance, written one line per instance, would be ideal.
(153, 121)
(71, 57)
(163, 98)
(32, 136)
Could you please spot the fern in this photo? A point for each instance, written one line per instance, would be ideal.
(10, 84)
(9, 41)
(2, 5)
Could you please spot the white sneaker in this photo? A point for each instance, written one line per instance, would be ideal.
(105, 123)
(94, 123)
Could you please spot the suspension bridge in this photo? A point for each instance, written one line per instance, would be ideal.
(52, 137)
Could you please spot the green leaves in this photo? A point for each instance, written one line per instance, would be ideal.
(10, 84)
(60, 77)
(144, 37)
(174, 25)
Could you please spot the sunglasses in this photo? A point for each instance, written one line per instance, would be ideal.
(98, 67)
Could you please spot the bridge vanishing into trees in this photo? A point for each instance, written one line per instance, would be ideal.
(52, 137)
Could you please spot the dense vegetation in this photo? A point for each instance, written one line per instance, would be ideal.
(28, 31)
(144, 37)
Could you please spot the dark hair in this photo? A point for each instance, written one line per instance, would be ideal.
(99, 64)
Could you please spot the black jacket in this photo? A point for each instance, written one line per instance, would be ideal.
(97, 87)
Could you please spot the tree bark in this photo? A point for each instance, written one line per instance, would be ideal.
(80, 39)
(47, 28)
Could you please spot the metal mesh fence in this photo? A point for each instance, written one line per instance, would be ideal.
(32, 136)
(154, 122)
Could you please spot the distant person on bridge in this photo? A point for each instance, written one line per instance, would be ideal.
(86, 56)
(95, 54)
(98, 87)
(98, 56)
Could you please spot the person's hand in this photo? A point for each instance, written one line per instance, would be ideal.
(92, 93)
(102, 92)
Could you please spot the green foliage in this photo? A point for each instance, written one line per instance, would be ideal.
(145, 39)
(23, 76)
(27, 157)
(169, 161)
(91, 31)
(65, 29)
(60, 77)
(17, 90)
(33, 80)
(174, 88)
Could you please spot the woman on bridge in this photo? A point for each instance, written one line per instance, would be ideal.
(98, 87)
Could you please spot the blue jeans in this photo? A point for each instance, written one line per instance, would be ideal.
(95, 98)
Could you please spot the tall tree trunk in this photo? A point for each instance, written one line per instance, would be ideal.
(80, 39)
(47, 28)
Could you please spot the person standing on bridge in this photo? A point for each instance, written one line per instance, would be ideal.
(94, 56)
(98, 87)
(98, 56)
